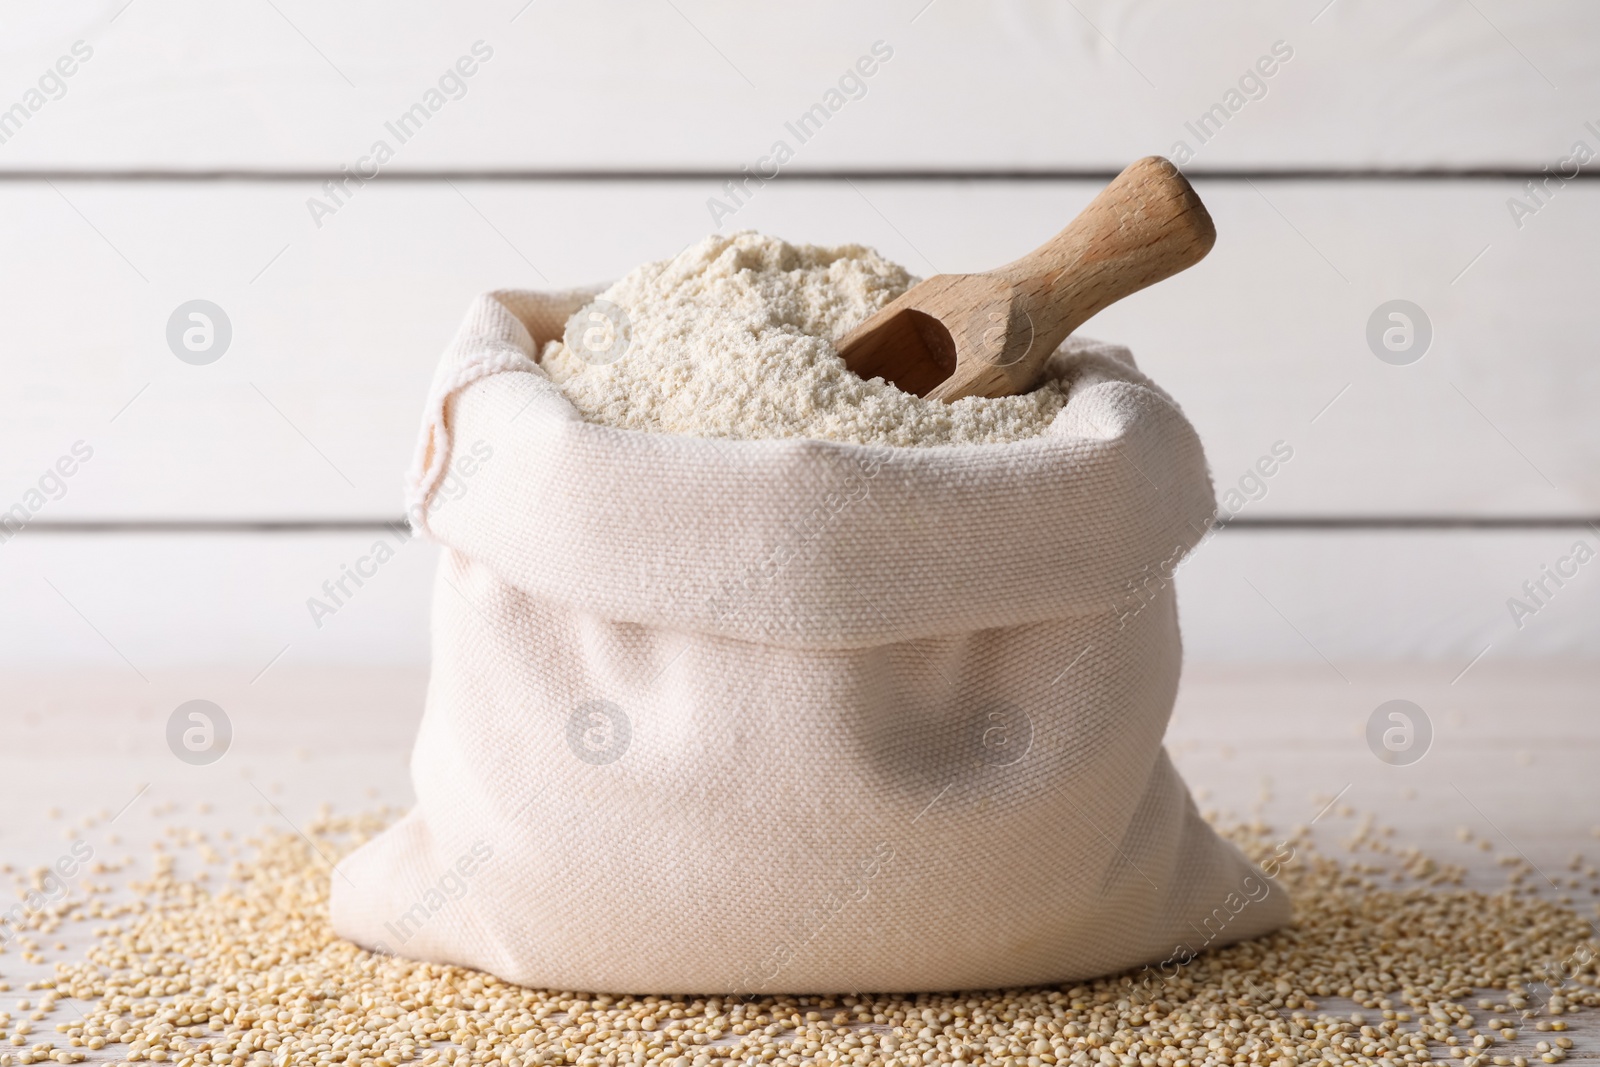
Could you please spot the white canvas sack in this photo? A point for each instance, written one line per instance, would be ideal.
(721, 716)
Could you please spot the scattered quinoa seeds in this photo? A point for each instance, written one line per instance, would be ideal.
(251, 973)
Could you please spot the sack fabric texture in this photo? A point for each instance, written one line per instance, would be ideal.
(748, 717)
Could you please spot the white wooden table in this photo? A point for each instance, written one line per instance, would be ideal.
(1511, 763)
(1512, 757)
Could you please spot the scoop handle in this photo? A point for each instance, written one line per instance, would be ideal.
(1148, 224)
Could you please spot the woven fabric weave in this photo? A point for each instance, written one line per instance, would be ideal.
(720, 716)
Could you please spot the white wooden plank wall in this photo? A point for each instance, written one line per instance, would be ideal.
(1382, 158)
(150, 602)
(335, 331)
(708, 83)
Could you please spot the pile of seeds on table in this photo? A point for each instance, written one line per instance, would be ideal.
(249, 972)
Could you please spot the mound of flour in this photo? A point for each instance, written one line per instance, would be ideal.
(733, 337)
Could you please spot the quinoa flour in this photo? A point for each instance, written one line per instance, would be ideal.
(733, 337)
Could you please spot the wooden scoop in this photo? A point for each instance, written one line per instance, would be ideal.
(957, 335)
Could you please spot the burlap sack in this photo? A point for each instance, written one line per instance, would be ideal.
(720, 716)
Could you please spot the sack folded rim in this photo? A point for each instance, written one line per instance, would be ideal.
(1118, 484)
